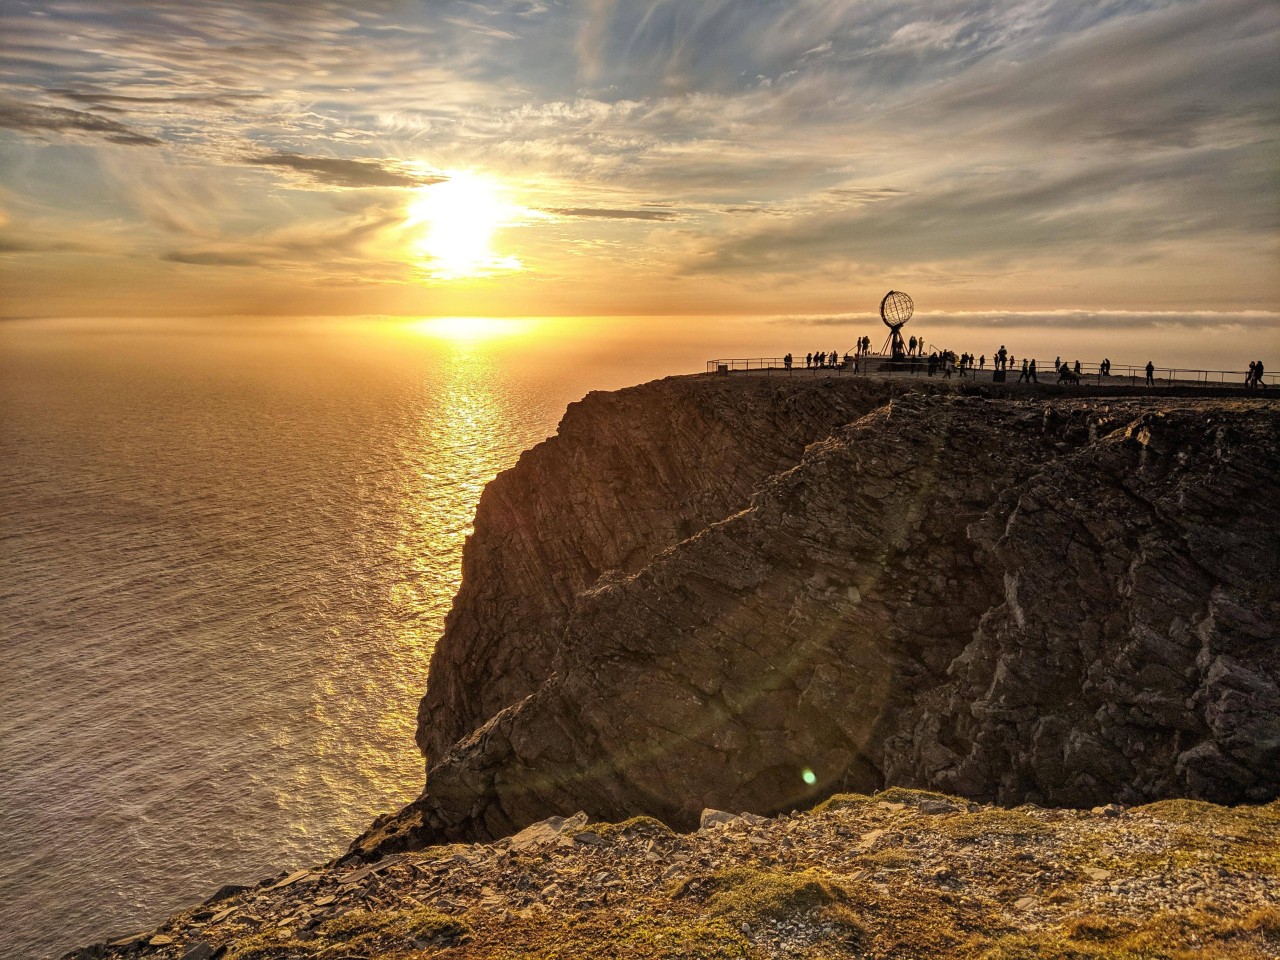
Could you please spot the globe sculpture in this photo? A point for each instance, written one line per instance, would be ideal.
(895, 310)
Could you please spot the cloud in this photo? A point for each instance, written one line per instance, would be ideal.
(610, 214)
(212, 258)
(37, 119)
(337, 172)
(118, 101)
(26, 244)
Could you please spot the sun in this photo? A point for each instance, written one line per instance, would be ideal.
(454, 223)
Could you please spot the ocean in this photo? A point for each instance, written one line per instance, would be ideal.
(227, 547)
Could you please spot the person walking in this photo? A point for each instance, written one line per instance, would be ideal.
(1258, 371)
(1031, 373)
(1022, 375)
(1151, 374)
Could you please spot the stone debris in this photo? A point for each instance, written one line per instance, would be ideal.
(888, 877)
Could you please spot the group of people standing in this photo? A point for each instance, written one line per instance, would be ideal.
(948, 362)
(1253, 379)
(819, 359)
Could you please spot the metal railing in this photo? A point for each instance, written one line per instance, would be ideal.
(875, 364)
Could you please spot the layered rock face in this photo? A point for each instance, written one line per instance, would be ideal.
(628, 474)
(675, 604)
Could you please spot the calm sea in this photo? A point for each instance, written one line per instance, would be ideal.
(226, 549)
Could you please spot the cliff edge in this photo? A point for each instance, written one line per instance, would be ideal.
(750, 594)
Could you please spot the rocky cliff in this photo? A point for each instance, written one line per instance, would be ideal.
(749, 594)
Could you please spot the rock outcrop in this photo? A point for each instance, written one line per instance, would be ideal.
(677, 604)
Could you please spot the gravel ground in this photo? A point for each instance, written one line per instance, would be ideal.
(902, 874)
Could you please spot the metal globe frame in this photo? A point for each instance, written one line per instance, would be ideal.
(896, 308)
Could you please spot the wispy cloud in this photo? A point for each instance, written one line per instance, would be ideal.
(337, 172)
(40, 119)
(604, 213)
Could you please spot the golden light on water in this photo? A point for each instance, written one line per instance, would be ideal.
(466, 329)
(454, 222)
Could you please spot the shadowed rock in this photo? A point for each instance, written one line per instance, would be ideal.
(1068, 604)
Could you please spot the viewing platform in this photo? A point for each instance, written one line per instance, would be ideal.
(1091, 377)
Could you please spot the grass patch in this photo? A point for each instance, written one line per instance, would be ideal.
(1168, 935)
(843, 801)
(418, 923)
(913, 798)
(757, 896)
(268, 946)
(652, 937)
(991, 822)
(641, 826)
(362, 931)
(890, 858)
(1241, 839)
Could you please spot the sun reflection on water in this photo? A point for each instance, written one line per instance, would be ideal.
(466, 329)
(456, 449)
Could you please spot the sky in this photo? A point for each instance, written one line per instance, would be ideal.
(1109, 162)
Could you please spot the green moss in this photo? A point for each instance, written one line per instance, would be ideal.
(890, 858)
(1236, 820)
(364, 931)
(651, 937)
(843, 801)
(1240, 839)
(268, 946)
(754, 895)
(636, 826)
(913, 797)
(418, 923)
(991, 822)
(1166, 935)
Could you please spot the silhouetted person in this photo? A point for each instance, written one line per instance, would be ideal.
(834, 358)
(808, 360)
(786, 361)
(1022, 375)
(1151, 374)
(1077, 368)
(1258, 371)
(1031, 373)
(982, 362)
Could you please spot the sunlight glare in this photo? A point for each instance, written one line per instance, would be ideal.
(455, 221)
(469, 328)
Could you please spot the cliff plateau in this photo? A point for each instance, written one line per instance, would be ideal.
(748, 594)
